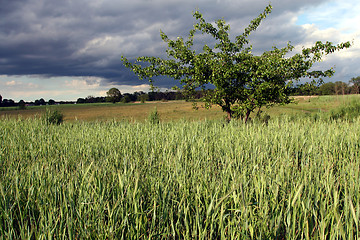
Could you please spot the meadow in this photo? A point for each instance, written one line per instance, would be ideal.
(295, 176)
(172, 110)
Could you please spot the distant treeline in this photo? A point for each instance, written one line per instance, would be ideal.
(22, 104)
(125, 98)
(136, 96)
(329, 88)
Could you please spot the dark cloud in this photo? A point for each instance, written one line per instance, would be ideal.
(88, 37)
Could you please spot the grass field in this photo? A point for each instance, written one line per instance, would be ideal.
(292, 178)
(172, 110)
(132, 111)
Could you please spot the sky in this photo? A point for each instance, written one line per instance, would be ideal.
(67, 49)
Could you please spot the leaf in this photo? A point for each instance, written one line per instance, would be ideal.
(297, 195)
(353, 212)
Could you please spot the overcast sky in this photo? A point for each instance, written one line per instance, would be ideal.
(67, 49)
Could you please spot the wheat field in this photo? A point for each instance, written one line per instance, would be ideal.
(288, 179)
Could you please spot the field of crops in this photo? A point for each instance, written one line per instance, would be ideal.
(295, 178)
(172, 110)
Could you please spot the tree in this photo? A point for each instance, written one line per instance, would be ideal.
(327, 88)
(126, 98)
(8, 103)
(51, 102)
(242, 82)
(21, 105)
(90, 99)
(0, 100)
(114, 95)
(80, 100)
(307, 89)
(40, 102)
(141, 96)
(355, 81)
(341, 88)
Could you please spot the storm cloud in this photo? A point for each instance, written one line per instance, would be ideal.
(88, 37)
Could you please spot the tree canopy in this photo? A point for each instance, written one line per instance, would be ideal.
(241, 81)
(114, 95)
(356, 82)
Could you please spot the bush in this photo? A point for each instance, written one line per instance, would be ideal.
(154, 117)
(54, 117)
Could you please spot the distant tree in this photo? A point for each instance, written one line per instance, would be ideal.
(143, 97)
(154, 96)
(341, 88)
(113, 95)
(242, 81)
(137, 95)
(40, 102)
(8, 103)
(0, 100)
(327, 88)
(80, 100)
(307, 89)
(179, 95)
(51, 102)
(21, 105)
(126, 98)
(356, 84)
(90, 99)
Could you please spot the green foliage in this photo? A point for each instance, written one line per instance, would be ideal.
(327, 88)
(341, 88)
(356, 84)
(53, 117)
(154, 117)
(243, 82)
(126, 98)
(21, 105)
(114, 95)
(143, 98)
(262, 117)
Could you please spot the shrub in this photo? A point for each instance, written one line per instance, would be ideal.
(154, 117)
(54, 117)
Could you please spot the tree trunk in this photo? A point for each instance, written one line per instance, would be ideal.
(247, 116)
(229, 115)
(227, 109)
(258, 113)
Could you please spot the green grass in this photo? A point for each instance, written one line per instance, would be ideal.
(289, 179)
(174, 110)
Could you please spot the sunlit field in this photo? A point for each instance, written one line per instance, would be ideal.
(173, 110)
(295, 176)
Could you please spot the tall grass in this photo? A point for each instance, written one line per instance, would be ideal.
(348, 111)
(182, 180)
